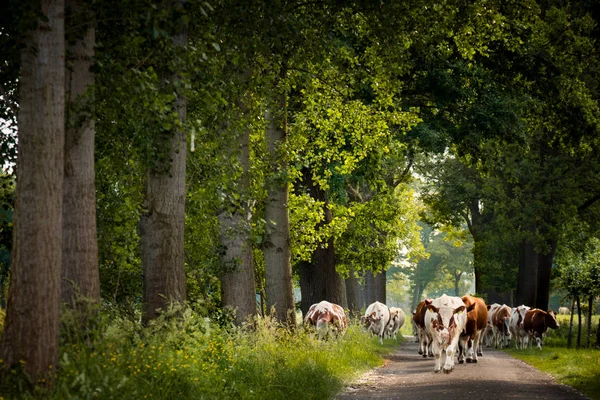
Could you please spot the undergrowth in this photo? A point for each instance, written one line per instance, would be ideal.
(186, 356)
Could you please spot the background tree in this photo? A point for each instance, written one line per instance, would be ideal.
(32, 315)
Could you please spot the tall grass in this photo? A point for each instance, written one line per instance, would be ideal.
(191, 358)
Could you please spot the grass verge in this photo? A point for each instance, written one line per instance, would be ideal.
(579, 369)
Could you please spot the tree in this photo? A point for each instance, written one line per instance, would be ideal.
(162, 222)
(80, 273)
(32, 316)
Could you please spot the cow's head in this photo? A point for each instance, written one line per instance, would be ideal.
(371, 319)
(551, 321)
(444, 321)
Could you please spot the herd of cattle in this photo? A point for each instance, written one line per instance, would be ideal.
(446, 326)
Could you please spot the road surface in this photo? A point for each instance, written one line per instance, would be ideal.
(497, 376)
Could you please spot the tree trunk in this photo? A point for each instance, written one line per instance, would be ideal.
(527, 279)
(32, 316)
(162, 223)
(380, 287)
(352, 293)
(570, 337)
(598, 335)
(276, 248)
(312, 285)
(237, 282)
(80, 273)
(578, 323)
(543, 277)
(370, 288)
(588, 340)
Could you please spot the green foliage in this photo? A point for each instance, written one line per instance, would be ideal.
(182, 355)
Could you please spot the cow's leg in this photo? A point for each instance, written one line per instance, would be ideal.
(538, 339)
(449, 363)
(474, 347)
(437, 353)
(462, 344)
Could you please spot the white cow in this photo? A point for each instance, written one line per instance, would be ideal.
(445, 319)
(376, 319)
(397, 319)
(517, 331)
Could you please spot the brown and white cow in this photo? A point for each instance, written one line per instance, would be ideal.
(445, 319)
(376, 319)
(397, 319)
(536, 324)
(564, 311)
(500, 325)
(489, 329)
(422, 335)
(324, 315)
(517, 331)
(477, 316)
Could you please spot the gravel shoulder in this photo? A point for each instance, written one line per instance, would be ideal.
(407, 375)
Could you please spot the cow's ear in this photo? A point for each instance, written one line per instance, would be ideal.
(488, 307)
(471, 307)
(433, 308)
(459, 310)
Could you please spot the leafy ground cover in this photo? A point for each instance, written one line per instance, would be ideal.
(191, 358)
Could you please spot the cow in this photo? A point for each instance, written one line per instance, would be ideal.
(477, 316)
(500, 325)
(419, 322)
(489, 329)
(564, 311)
(324, 315)
(397, 319)
(376, 319)
(445, 319)
(536, 324)
(517, 316)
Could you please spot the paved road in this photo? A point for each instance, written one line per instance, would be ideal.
(407, 375)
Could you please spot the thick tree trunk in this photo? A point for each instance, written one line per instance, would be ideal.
(312, 285)
(598, 335)
(162, 223)
(80, 273)
(543, 277)
(237, 282)
(352, 293)
(380, 287)
(527, 279)
(370, 288)
(276, 248)
(32, 316)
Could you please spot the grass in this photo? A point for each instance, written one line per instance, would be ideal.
(191, 358)
(578, 368)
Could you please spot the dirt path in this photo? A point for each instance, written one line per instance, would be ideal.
(407, 375)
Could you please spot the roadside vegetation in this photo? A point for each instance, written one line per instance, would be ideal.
(578, 368)
(192, 358)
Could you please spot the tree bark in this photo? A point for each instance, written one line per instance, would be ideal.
(352, 293)
(162, 223)
(32, 315)
(570, 337)
(276, 248)
(312, 285)
(598, 335)
(527, 279)
(578, 323)
(380, 287)
(80, 273)
(237, 282)
(370, 288)
(543, 277)
(588, 340)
